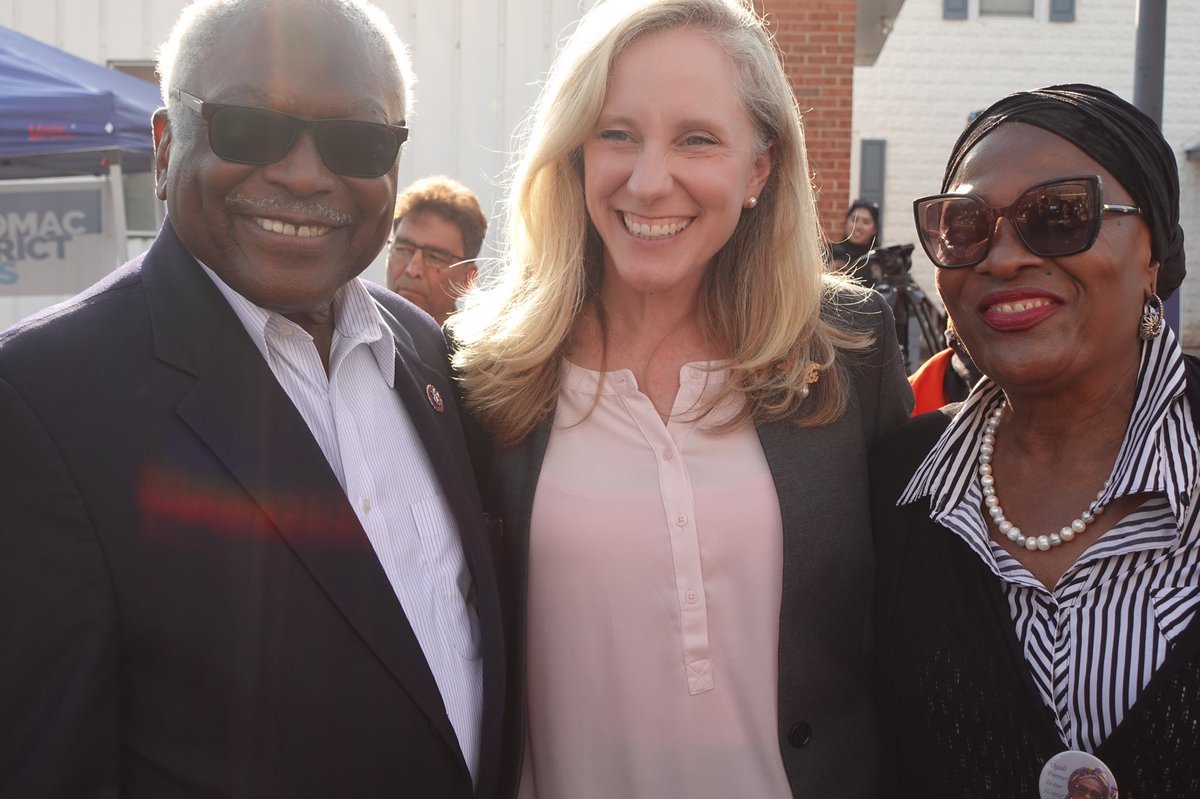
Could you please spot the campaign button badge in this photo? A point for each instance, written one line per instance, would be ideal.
(435, 398)
(1077, 775)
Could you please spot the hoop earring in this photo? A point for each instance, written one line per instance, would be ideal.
(1151, 326)
(752, 202)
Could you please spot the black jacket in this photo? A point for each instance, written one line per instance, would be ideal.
(189, 606)
(960, 713)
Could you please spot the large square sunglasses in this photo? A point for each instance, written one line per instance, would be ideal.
(247, 135)
(1056, 218)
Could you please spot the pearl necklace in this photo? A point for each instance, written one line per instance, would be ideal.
(1007, 528)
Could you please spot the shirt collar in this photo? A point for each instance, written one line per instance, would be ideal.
(356, 320)
(1159, 452)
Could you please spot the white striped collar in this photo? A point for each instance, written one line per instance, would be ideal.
(356, 318)
(1159, 453)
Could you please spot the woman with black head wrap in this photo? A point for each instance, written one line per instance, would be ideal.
(1039, 543)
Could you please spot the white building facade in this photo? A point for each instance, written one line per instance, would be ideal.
(933, 72)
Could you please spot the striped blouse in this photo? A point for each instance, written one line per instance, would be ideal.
(1093, 643)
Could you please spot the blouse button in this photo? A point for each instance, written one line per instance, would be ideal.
(681, 520)
(667, 455)
(691, 597)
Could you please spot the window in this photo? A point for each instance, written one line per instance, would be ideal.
(1062, 10)
(143, 211)
(1007, 8)
(143, 70)
(954, 9)
(872, 167)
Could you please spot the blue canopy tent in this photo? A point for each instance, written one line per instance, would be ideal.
(70, 130)
(63, 115)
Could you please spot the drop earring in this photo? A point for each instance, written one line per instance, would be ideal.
(1152, 318)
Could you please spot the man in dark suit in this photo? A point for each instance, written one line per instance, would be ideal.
(241, 551)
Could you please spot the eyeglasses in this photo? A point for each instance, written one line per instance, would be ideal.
(437, 258)
(247, 135)
(1056, 218)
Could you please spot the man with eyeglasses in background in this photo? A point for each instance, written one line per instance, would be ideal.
(438, 232)
(241, 550)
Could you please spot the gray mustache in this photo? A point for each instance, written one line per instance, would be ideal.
(289, 205)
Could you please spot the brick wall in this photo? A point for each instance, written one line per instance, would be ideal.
(816, 38)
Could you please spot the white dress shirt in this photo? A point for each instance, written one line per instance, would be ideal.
(376, 454)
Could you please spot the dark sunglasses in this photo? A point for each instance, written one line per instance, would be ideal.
(246, 135)
(1052, 219)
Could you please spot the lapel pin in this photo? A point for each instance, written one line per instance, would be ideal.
(435, 398)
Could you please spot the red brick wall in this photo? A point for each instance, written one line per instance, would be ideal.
(816, 38)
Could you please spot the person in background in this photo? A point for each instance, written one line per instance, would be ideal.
(862, 233)
(241, 550)
(681, 401)
(436, 238)
(947, 376)
(1038, 546)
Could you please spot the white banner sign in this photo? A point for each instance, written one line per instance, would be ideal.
(55, 237)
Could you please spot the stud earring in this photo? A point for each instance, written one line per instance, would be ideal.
(752, 202)
(1152, 319)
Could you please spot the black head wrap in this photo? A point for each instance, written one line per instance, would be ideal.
(1116, 135)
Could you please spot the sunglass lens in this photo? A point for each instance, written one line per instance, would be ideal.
(357, 149)
(251, 135)
(1060, 219)
(955, 231)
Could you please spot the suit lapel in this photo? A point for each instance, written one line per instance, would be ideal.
(442, 437)
(239, 409)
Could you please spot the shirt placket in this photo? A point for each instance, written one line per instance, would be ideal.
(680, 521)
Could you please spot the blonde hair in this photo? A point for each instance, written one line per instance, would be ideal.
(763, 295)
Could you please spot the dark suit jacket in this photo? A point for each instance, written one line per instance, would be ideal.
(826, 718)
(188, 605)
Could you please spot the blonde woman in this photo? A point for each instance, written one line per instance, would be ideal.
(681, 401)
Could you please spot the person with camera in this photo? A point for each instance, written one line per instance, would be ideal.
(947, 376)
(852, 254)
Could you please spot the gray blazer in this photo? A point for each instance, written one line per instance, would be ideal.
(826, 720)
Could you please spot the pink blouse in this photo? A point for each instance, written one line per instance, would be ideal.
(655, 575)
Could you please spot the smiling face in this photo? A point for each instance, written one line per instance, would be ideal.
(670, 164)
(860, 227)
(285, 235)
(1044, 324)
